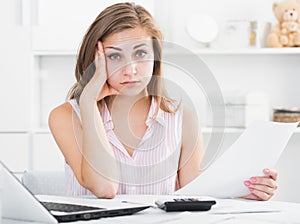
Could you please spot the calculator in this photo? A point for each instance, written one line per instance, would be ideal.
(185, 204)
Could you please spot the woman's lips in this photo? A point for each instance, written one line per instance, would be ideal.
(130, 83)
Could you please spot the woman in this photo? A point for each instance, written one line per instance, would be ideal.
(126, 136)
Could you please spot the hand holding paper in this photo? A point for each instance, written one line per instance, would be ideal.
(259, 146)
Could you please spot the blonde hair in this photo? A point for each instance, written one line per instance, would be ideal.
(114, 19)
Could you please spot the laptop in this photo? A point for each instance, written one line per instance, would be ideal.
(19, 203)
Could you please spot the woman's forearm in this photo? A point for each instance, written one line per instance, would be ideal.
(99, 168)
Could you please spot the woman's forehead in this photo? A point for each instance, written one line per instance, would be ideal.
(134, 36)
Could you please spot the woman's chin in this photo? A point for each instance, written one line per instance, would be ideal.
(131, 91)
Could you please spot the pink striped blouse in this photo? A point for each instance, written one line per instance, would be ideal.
(152, 169)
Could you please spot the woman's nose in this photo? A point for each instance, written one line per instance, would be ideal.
(130, 68)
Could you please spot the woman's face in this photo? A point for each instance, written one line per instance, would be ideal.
(129, 60)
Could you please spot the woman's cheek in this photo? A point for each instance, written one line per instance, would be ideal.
(110, 71)
(111, 81)
(112, 68)
(147, 68)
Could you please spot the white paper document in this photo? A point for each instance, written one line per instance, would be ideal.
(258, 147)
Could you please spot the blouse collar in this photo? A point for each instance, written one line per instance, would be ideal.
(151, 119)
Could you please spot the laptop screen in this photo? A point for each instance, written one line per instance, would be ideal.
(19, 203)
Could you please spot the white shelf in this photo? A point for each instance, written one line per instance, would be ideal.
(255, 51)
(203, 51)
(44, 130)
(245, 51)
(204, 130)
(55, 53)
(207, 130)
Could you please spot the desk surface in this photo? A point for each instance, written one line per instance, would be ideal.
(225, 211)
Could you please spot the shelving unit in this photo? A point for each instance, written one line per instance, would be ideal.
(40, 136)
(212, 53)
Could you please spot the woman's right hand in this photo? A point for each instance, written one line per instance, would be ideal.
(98, 88)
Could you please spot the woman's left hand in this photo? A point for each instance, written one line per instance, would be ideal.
(262, 188)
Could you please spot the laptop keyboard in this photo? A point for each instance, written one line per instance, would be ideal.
(60, 207)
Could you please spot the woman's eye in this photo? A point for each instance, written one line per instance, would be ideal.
(140, 54)
(114, 56)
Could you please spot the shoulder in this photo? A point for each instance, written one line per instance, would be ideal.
(60, 114)
(191, 129)
(61, 110)
(189, 117)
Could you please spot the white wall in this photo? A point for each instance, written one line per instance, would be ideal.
(173, 19)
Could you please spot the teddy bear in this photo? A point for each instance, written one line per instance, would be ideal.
(287, 32)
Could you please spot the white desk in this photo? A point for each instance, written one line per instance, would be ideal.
(225, 211)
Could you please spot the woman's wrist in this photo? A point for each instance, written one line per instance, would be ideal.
(86, 102)
(89, 98)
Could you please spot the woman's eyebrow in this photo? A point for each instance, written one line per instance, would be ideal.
(139, 45)
(119, 49)
(115, 48)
